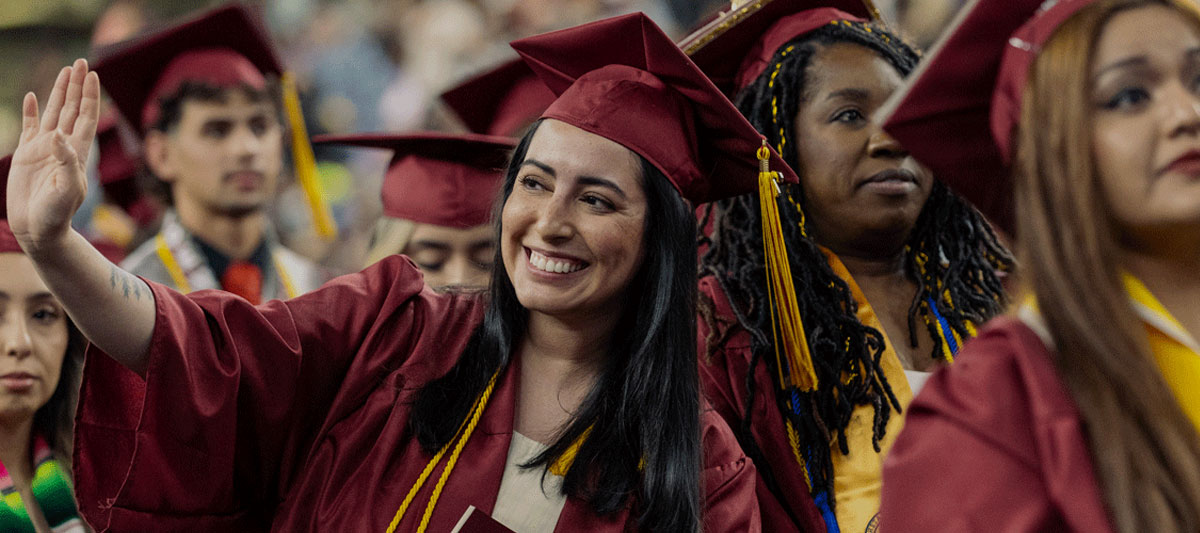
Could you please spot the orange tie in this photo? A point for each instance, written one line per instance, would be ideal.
(244, 279)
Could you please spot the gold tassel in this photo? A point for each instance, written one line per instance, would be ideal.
(786, 324)
(306, 162)
(875, 13)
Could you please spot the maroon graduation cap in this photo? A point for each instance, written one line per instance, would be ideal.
(225, 47)
(957, 112)
(623, 79)
(737, 46)
(436, 178)
(501, 101)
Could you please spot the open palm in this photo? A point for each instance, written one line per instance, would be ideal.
(47, 181)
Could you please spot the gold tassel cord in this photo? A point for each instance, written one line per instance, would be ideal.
(787, 326)
(306, 162)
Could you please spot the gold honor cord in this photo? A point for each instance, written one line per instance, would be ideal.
(180, 279)
(786, 324)
(458, 442)
(306, 162)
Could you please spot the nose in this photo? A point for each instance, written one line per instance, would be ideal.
(244, 144)
(14, 334)
(555, 223)
(882, 145)
(1183, 115)
(455, 269)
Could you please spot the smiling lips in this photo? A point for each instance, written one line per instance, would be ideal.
(554, 265)
(1188, 164)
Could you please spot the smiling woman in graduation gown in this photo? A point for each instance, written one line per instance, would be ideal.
(377, 404)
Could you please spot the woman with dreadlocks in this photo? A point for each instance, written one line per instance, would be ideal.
(889, 271)
(1080, 413)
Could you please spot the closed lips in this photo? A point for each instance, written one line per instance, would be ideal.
(555, 265)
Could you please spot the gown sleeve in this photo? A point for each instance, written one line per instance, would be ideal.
(232, 399)
(730, 502)
(992, 444)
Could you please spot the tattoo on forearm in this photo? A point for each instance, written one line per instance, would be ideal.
(125, 283)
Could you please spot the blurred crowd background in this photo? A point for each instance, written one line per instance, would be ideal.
(361, 65)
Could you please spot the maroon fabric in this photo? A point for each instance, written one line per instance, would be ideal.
(438, 178)
(117, 168)
(737, 46)
(8, 241)
(292, 416)
(723, 378)
(623, 79)
(993, 443)
(224, 47)
(502, 101)
(955, 114)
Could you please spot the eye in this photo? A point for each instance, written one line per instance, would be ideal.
(259, 125)
(531, 183)
(46, 316)
(1127, 99)
(849, 116)
(216, 129)
(431, 267)
(598, 202)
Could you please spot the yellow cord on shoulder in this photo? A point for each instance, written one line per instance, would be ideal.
(288, 286)
(168, 260)
(785, 309)
(459, 441)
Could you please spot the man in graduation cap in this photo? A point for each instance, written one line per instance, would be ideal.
(203, 95)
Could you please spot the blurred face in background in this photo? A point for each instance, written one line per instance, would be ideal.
(453, 257)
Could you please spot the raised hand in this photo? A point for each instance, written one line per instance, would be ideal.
(47, 181)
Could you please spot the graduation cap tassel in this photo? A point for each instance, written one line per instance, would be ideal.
(786, 324)
(306, 162)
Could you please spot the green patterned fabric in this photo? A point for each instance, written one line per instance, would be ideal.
(51, 489)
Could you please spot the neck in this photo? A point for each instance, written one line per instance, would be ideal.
(15, 454)
(1170, 276)
(235, 236)
(866, 266)
(573, 345)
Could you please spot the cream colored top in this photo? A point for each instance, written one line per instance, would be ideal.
(524, 504)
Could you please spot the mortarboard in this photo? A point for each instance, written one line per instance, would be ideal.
(224, 47)
(623, 79)
(501, 101)
(736, 47)
(957, 112)
(437, 178)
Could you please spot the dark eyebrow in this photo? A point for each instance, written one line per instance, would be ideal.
(601, 182)
(583, 180)
(850, 94)
(544, 167)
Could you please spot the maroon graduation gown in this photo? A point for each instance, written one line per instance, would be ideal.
(993, 443)
(723, 378)
(292, 416)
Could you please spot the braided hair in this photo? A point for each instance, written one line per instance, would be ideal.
(952, 255)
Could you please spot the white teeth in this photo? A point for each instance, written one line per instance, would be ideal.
(546, 264)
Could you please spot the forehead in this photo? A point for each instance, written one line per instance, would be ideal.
(571, 151)
(1156, 32)
(229, 102)
(443, 234)
(848, 65)
(18, 278)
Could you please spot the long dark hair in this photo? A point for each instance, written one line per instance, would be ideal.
(642, 416)
(1145, 451)
(55, 421)
(951, 254)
